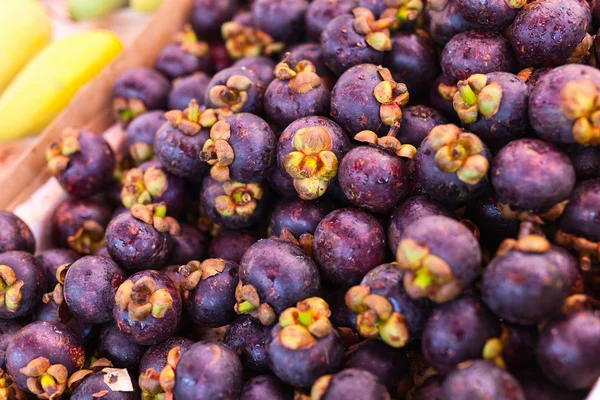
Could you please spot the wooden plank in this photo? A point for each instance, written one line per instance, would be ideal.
(91, 107)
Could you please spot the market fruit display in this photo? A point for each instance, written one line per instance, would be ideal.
(323, 200)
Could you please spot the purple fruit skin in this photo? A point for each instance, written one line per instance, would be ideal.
(156, 356)
(373, 179)
(446, 187)
(299, 216)
(70, 215)
(281, 182)
(281, 272)
(360, 383)
(320, 12)
(187, 88)
(521, 294)
(353, 104)
(28, 270)
(457, 332)
(90, 286)
(412, 61)
(247, 336)
(90, 170)
(446, 23)
(341, 315)
(284, 106)
(568, 349)
(144, 84)
(569, 266)
(581, 213)
(152, 330)
(256, 92)
(339, 140)
(476, 52)
(439, 103)
(253, 144)
(94, 383)
(386, 280)
(536, 386)
(450, 240)
(343, 47)
(135, 245)
(545, 113)
(53, 341)
(532, 174)
(300, 368)
(430, 390)
(172, 271)
(348, 243)
(143, 128)
(489, 15)
(211, 303)
(481, 380)
(118, 347)
(52, 312)
(262, 66)
(266, 387)
(410, 210)
(388, 364)
(544, 33)
(208, 370)
(493, 226)
(179, 153)
(231, 245)
(207, 16)
(175, 194)
(586, 161)
(510, 121)
(15, 234)
(211, 189)
(8, 329)
(312, 52)
(283, 20)
(174, 62)
(190, 244)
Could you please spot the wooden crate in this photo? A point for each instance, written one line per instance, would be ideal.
(91, 107)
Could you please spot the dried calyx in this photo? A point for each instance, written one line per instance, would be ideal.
(59, 152)
(195, 271)
(376, 32)
(376, 317)
(493, 348)
(516, 3)
(389, 143)
(527, 243)
(156, 215)
(231, 97)
(525, 74)
(579, 302)
(304, 324)
(140, 187)
(188, 41)
(10, 289)
(588, 251)
(552, 214)
(141, 152)
(476, 96)
(392, 96)
(125, 110)
(8, 390)
(244, 41)
(402, 11)
(88, 238)
(45, 380)
(191, 120)
(302, 78)
(313, 164)
(580, 102)
(427, 275)
(248, 302)
(318, 389)
(57, 295)
(217, 151)
(239, 198)
(582, 51)
(304, 241)
(159, 385)
(446, 92)
(142, 299)
(95, 366)
(459, 152)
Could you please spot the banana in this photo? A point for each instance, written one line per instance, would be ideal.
(51, 80)
(90, 9)
(25, 29)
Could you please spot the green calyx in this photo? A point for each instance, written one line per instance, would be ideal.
(459, 152)
(10, 289)
(389, 143)
(376, 32)
(189, 42)
(142, 298)
(233, 95)
(248, 302)
(45, 380)
(376, 317)
(427, 275)
(313, 164)
(239, 198)
(141, 187)
(156, 215)
(304, 324)
(392, 96)
(59, 152)
(217, 151)
(125, 110)
(160, 385)
(516, 3)
(402, 11)
(580, 102)
(475, 96)
(493, 348)
(196, 271)
(191, 120)
(88, 238)
(244, 41)
(302, 77)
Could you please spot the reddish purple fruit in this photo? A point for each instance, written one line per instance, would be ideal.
(118, 347)
(351, 381)
(492, 15)
(231, 245)
(140, 134)
(586, 161)
(266, 387)
(235, 90)
(189, 244)
(186, 89)
(262, 66)
(283, 20)
(23, 283)
(207, 16)
(445, 20)
(320, 12)
(95, 384)
(183, 57)
(248, 337)
(15, 234)
(8, 329)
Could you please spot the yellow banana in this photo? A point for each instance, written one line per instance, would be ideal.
(51, 80)
(25, 29)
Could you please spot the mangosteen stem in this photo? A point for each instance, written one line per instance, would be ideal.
(245, 307)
